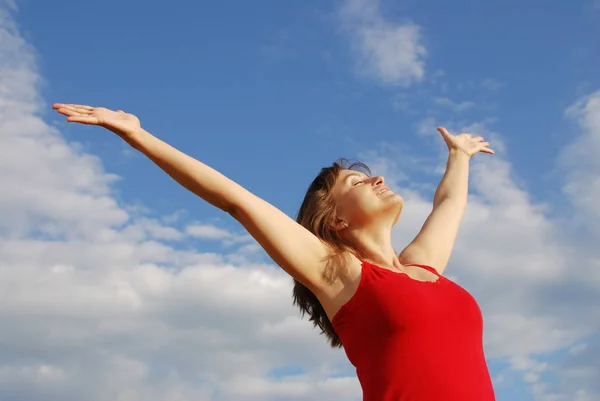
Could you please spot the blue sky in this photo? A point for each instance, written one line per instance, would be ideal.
(260, 76)
(267, 93)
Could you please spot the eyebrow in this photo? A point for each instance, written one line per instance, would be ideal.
(353, 175)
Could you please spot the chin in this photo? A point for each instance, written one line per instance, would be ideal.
(397, 217)
(394, 207)
(397, 200)
(399, 204)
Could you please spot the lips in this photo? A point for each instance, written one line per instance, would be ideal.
(383, 190)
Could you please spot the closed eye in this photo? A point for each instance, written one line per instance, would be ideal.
(356, 183)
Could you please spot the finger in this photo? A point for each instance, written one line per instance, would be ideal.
(68, 112)
(487, 150)
(71, 112)
(82, 106)
(83, 120)
(485, 144)
(78, 109)
(479, 139)
(57, 106)
(63, 107)
(74, 111)
(443, 131)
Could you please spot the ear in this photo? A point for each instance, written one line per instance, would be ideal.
(339, 225)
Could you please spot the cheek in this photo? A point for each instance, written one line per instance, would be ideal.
(356, 204)
(347, 205)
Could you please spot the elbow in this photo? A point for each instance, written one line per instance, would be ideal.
(234, 209)
(231, 210)
(229, 207)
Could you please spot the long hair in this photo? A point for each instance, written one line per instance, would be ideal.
(317, 214)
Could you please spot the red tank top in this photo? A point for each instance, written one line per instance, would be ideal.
(414, 341)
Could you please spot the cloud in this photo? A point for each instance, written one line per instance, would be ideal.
(389, 52)
(581, 156)
(427, 126)
(573, 374)
(207, 231)
(49, 186)
(457, 107)
(99, 302)
(492, 84)
(537, 285)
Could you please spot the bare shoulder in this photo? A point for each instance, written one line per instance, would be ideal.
(340, 280)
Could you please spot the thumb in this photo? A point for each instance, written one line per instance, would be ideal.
(443, 131)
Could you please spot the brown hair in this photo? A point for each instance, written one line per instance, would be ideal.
(317, 214)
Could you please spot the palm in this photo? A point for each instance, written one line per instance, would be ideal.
(465, 143)
(118, 121)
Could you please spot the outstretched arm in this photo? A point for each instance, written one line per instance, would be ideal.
(434, 243)
(291, 246)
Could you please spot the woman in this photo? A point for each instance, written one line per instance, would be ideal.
(411, 333)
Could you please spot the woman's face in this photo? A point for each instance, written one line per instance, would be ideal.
(362, 200)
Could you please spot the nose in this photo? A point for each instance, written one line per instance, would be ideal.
(378, 180)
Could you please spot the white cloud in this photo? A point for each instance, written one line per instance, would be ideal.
(457, 107)
(575, 373)
(97, 305)
(390, 52)
(537, 286)
(492, 84)
(207, 231)
(247, 248)
(427, 126)
(49, 186)
(581, 157)
(146, 228)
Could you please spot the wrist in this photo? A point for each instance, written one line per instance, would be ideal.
(458, 154)
(136, 138)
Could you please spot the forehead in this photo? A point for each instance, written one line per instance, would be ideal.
(343, 174)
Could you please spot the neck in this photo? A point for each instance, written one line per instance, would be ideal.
(374, 245)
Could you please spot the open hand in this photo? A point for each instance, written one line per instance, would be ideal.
(465, 143)
(123, 124)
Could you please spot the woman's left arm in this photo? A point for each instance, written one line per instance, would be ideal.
(434, 243)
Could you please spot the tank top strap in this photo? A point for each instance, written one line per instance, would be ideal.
(347, 309)
(429, 268)
(366, 270)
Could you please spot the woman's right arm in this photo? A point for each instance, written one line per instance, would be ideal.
(296, 250)
(300, 253)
